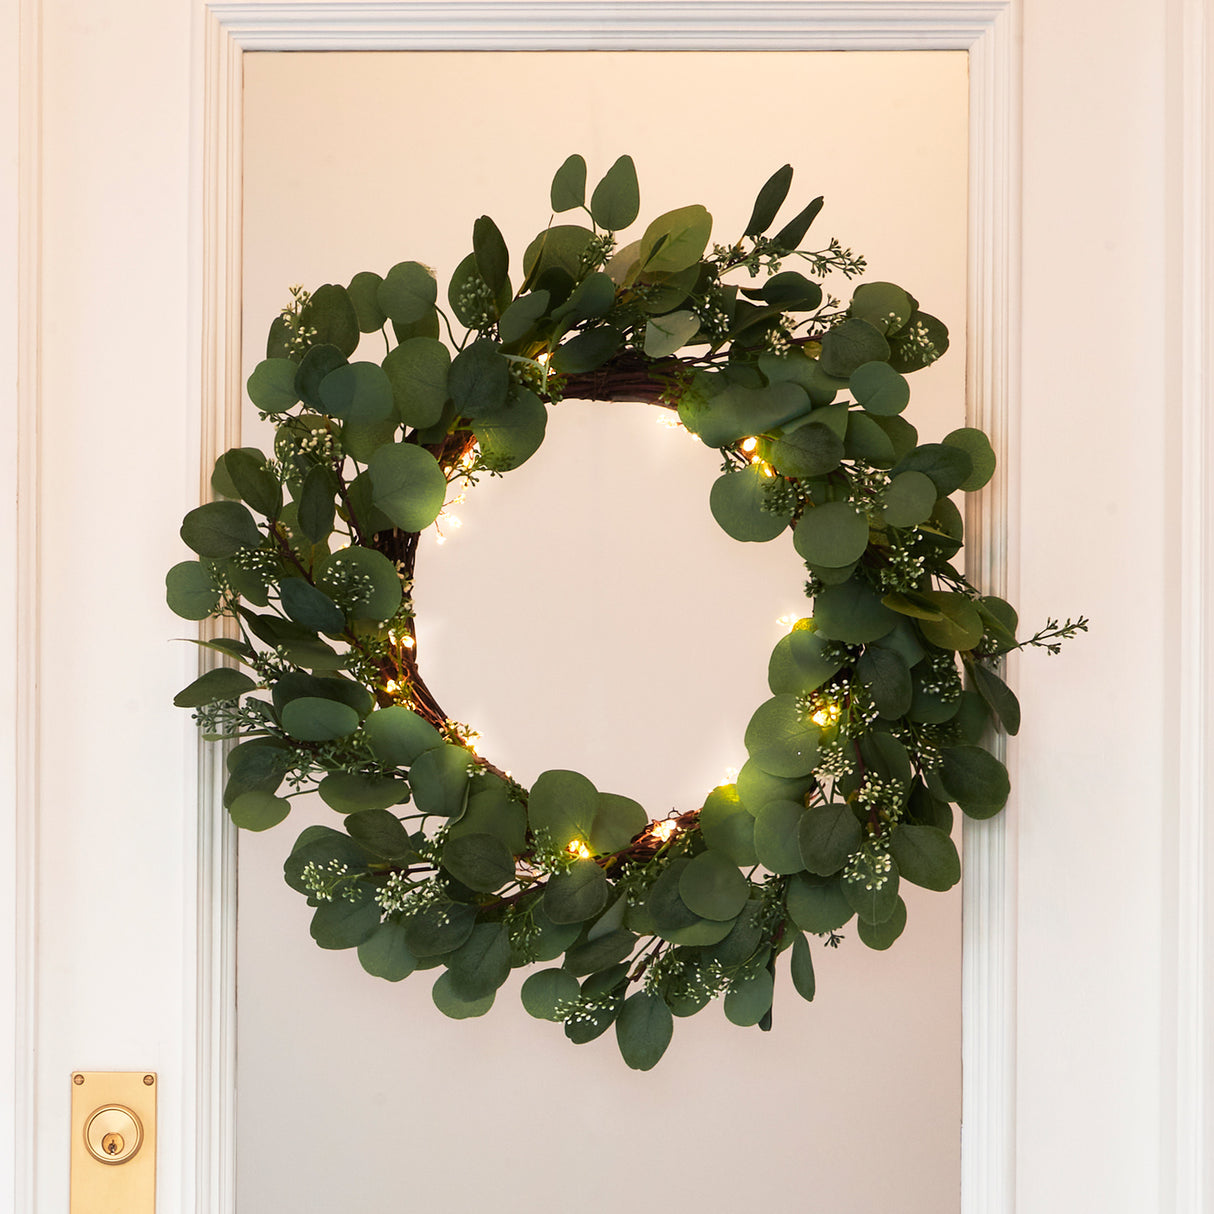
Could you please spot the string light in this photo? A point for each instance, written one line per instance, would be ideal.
(406, 641)
(392, 687)
(731, 775)
(788, 619)
(827, 715)
(664, 829)
(749, 445)
(578, 849)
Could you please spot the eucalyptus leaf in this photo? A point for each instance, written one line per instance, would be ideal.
(407, 485)
(770, 200)
(727, 827)
(222, 683)
(643, 1030)
(480, 861)
(617, 198)
(549, 994)
(397, 735)
(569, 185)
(385, 953)
(925, 856)
(577, 894)
(439, 779)
(257, 810)
(803, 968)
(220, 529)
(737, 500)
(827, 836)
(779, 739)
(408, 293)
(191, 591)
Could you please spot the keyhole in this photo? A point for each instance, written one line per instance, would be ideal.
(111, 1144)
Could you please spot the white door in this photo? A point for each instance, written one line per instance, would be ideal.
(589, 614)
(1086, 1087)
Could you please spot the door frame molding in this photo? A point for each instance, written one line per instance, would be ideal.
(988, 31)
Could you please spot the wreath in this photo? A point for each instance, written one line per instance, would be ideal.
(883, 699)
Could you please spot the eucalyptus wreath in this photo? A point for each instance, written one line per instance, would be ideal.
(883, 699)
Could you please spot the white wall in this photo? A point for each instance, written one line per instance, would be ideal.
(590, 614)
(1111, 1073)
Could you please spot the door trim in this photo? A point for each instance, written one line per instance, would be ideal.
(988, 31)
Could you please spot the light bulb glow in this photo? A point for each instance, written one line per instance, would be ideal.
(788, 619)
(392, 687)
(664, 829)
(828, 714)
(731, 775)
(578, 849)
(749, 444)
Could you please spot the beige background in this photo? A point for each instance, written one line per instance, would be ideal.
(589, 614)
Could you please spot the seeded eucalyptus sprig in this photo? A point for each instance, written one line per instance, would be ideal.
(883, 698)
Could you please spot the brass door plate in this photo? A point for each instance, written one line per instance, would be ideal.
(113, 1142)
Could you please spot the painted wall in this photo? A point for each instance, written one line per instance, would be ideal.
(590, 614)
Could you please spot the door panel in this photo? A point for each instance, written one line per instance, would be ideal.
(636, 655)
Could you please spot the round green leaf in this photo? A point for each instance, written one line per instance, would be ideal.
(827, 836)
(451, 1002)
(342, 924)
(961, 626)
(977, 446)
(808, 451)
(925, 856)
(407, 484)
(852, 612)
(363, 290)
(617, 198)
(675, 240)
(481, 862)
(439, 778)
(563, 805)
(816, 905)
(888, 678)
(949, 466)
(587, 351)
(643, 1030)
(617, 820)
(713, 888)
(601, 952)
(975, 780)
(479, 379)
(833, 534)
(363, 582)
(310, 607)
(407, 293)
(220, 529)
(350, 792)
(222, 683)
(397, 735)
(757, 787)
(577, 894)
(385, 953)
(331, 314)
(439, 928)
(191, 591)
(258, 810)
(777, 829)
(312, 719)
(879, 389)
(749, 999)
(549, 994)
(780, 740)
(417, 372)
(885, 306)
(358, 391)
(727, 827)
(271, 386)
(512, 435)
(737, 499)
(909, 499)
(851, 344)
(871, 886)
(882, 935)
(569, 186)
(482, 963)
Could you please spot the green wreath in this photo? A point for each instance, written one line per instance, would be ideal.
(442, 862)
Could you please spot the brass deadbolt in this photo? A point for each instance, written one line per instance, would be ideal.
(113, 1134)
